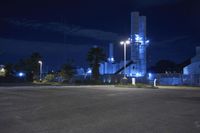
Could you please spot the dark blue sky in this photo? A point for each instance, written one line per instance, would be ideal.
(62, 29)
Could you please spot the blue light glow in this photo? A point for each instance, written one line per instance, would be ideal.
(150, 74)
(128, 42)
(89, 71)
(2, 70)
(122, 42)
(138, 74)
(21, 74)
(147, 41)
(111, 59)
(138, 39)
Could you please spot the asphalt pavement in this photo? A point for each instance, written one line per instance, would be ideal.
(98, 109)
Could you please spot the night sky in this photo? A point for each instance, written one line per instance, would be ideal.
(62, 30)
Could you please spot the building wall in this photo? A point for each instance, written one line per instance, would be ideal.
(108, 68)
(134, 23)
(196, 59)
(194, 67)
(138, 49)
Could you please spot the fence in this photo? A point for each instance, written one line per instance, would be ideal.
(162, 79)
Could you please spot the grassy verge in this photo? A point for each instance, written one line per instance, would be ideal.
(179, 87)
(65, 83)
(47, 83)
(138, 85)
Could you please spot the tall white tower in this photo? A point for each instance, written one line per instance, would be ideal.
(111, 57)
(138, 45)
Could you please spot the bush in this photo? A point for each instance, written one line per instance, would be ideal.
(140, 85)
(49, 78)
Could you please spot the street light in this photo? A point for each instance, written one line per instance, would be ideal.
(40, 62)
(127, 42)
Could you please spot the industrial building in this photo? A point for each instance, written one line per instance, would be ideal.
(194, 67)
(191, 73)
(135, 66)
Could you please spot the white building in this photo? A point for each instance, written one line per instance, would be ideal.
(2, 71)
(194, 67)
(135, 66)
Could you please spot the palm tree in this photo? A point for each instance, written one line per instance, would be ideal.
(94, 57)
(9, 70)
(67, 71)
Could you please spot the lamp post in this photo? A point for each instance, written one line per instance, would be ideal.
(40, 62)
(127, 42)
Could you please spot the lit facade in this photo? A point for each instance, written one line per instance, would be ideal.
(136, 65)
(194, 67)
(138, 45)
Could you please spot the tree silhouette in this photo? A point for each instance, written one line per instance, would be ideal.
(94, 57)
(67, 71)
(164, 66)
(30, 66)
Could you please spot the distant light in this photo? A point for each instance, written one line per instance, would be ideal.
(138, 39)
(89, 71)
(122, 42)
(2, 70)
(138, 74)
(147, 41)
(21, 74)
(150, 75)
(40, 62)
(111, 59)
(127, 42)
